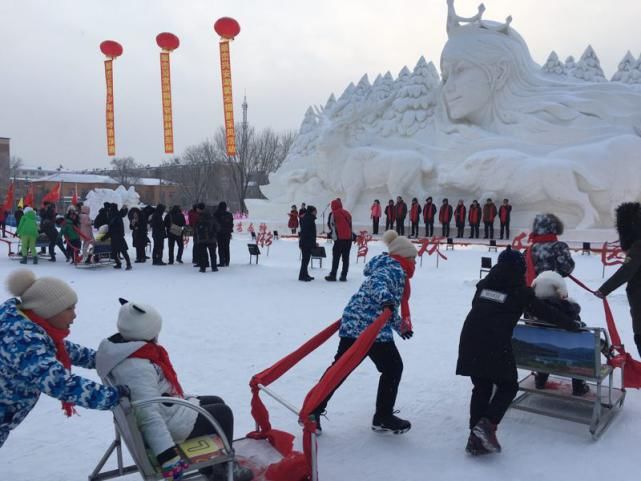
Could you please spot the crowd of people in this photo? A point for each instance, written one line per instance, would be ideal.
(73, 233)
(36, 357)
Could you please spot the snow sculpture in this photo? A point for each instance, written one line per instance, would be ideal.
(496, 125)
(121, 196)
(629, 70)
(553, 65)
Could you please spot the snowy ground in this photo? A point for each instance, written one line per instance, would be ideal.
(221, 328)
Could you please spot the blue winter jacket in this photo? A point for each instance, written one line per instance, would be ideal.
(28, 366)
(384, 284)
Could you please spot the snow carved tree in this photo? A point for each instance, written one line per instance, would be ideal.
(626, 65)
(553, 65)
(589, 68)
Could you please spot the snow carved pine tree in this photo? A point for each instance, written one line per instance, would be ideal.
(589, 68)
(554, 66)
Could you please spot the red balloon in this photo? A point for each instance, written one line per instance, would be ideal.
(111, 48)
(167, 41)
(227, 27)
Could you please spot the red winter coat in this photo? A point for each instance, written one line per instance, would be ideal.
(342, 221)
(390, 212)
(445, 214)
(376, 210)
(415, 213)
(504, 213)
(429, 211)
(401, 210)
(192, 218)
(474, 217)
(489, 212)
(293, 220)
(459, 215)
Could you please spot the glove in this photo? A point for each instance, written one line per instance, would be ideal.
(123, 391)
(173, 469)
(407, 335)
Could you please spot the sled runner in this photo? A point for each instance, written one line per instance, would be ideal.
(98, 255)
(567, 355)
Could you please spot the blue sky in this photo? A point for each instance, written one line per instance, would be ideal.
(290, 54)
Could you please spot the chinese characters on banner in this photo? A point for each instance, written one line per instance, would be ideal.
(111, 135)
(168, 125)
(228, 104)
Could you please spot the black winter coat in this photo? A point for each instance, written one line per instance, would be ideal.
(630, 272)
(206, 229)
(158, 229)
(174, 217)
(117, 232)
(225, 221)
(485, 348)
(307, 232)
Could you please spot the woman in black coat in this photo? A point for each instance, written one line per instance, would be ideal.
(175, 221)
(117, 235)
(307, 241)
(485, 349)
(158, 233)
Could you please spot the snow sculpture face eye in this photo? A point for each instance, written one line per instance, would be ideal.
(466, 90)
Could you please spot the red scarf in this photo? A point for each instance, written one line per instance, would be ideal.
(409, 268)
(530, 272)
(58, 337)
(158, 355)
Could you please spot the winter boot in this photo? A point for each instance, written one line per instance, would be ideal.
(579, 387)
(637, 341)
(540, 379)
(485, 430)
(330, 278)
(475, 446)
(35, 259)
(343, 279)
(128, 268)
(390, 423)
(23, 260)
(118, 266)
(52, 259)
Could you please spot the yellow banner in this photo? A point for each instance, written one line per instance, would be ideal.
(228, 103)
(168, 123)
(111, 134)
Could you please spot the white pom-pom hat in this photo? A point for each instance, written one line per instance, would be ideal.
(399, 245)
(46, 296)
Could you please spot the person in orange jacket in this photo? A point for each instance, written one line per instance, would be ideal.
(489, 214)
(445, 217)
(474, 218)
(375, 214)
(505, 212)
(429, 212)
(415, 217)
(459, 218)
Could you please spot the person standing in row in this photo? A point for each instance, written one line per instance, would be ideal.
(489, 214)
(390, 215)
(292, 222)
(504, 218)
(459, 219)
(307, 242)
(401, 214)
(174, 223)
(429, 212)
(158, 233)
(415, 217)
(340, 230)
(192, 220)
(116, 233)
(474, 218)
(206, 238)
(226, 226)
(445, 217)
(375, 214)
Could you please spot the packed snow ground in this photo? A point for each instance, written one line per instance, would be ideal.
(221, 328)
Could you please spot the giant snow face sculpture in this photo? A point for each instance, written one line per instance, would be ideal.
(467, 91)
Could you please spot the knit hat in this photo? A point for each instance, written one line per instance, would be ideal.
(550, 285)
(515, 258)
(138, 322)
(399, 245)
(46, 296)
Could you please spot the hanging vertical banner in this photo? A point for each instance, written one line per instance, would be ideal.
(167, 42)
(112, 50)
(227, 28)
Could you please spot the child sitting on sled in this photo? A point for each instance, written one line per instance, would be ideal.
(549, 286)
(485, 348)
(133, 356)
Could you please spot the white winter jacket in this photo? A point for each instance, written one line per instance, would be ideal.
(162, 425)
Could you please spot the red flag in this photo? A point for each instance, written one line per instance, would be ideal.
(74, 199)
(28, 199)
(54, 195)
(8, 201)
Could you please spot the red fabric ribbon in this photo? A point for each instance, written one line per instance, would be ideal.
(58, 337)
(158, 355)
(409, 267)
(530, 272)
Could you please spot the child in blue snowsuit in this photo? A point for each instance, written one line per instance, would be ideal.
(35, 357)
(386, 287)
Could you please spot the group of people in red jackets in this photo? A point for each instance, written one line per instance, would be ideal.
(397, 212)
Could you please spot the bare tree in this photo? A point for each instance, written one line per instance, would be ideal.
(125, 170)
(15, 164)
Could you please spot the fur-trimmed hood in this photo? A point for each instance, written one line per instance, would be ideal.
(628, 218)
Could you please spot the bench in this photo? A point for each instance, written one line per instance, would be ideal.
(318, 253)
(216, 449)
(566, 355)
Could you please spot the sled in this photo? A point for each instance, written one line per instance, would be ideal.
(42, 243)
(567, 355)
(98, 254)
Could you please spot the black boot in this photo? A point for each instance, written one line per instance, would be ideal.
(390, 423)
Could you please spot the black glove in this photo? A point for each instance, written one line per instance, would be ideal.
(407, 335)
(123, 391)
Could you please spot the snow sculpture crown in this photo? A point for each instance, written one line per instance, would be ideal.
(454, 21)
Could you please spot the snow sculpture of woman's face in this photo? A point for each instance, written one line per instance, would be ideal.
(467, 90)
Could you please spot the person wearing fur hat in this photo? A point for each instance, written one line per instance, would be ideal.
(485, 347)
(546, 252)
(27, 231)
(386, 286)
(36, 358)
(134, 357)
(550, 287)
(628, 223)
